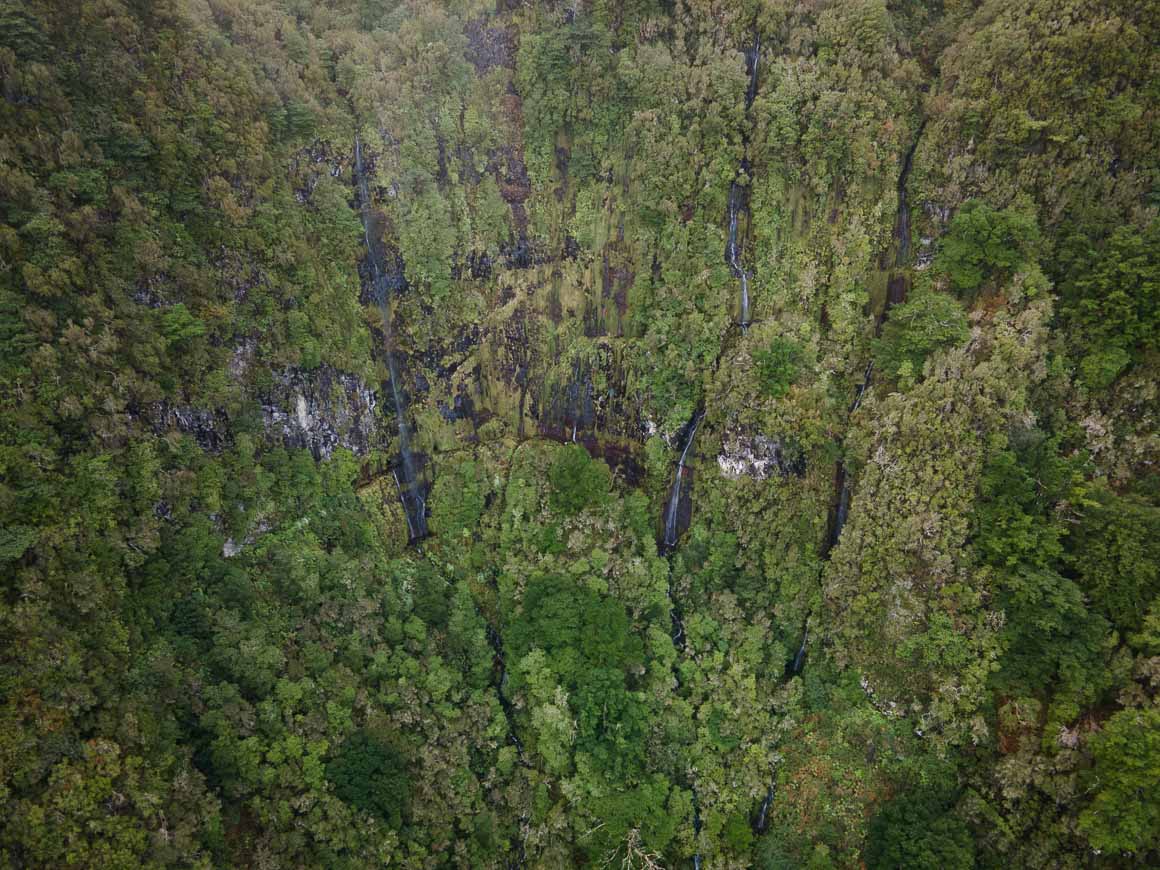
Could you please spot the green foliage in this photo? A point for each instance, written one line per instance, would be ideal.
(1110, 299)
(220, 649)
(180, 326)
(1099, 369)
(372, 775)
(578, 481)
(577, 628)
(1124, 815)
(635, 822)
(916, 830)
(1115, 552)
(925, 323)
(983, 243)
(459, 498)
(778, 366)
(1018, 491)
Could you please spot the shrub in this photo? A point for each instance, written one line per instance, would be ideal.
(778, 366)
(577, 480)
(927, 322)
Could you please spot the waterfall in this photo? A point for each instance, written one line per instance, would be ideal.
(799, 660)
(733, 252)
(841, 507)
(696, 830)
(762, 821)
(669, 543)
(673, 508)
(902, 222)
(754, 58)
(505, 703)
(738, 191)
(899, 284)
(862, 387)
(410, 488)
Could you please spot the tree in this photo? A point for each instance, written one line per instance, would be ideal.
(1115, 551)
(1124, 816)
(916, 830)
(778, 366)
(1110, 298)
(370, 774)
(927, 322)
(578, 481)
(983, 243)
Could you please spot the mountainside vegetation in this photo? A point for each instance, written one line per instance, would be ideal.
(545, 433)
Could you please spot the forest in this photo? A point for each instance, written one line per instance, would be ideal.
(599, 433)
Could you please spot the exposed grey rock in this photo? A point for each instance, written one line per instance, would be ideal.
(937, 211)
(231, 547)
(756, 456)
(241, 358)
(926, 253)
(322, 410)
(209, 428)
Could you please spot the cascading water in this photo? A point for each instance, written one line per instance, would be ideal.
(673, 507)
(754, 57)
(799, 659)
(762, 821)
(696, 829)
(410, 487)
(738, 194)
(501, 690)
(862, 387)
(733, 252)
(896, 294)
(668, 544)
(841, 509)
(899, 283)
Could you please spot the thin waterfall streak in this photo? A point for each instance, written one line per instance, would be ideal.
(902, 225)
(415, 507)
(696, 828)
(403, 502)
(763, 812)
(898, 285)
(736, 190)
(733, 251)
(751, 91)
(800, 659)
(863, 387)
(673, 510)
(671, 519)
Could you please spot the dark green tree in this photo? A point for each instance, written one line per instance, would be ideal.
(917, 830)
(371, 774)
(983, 243)
(578, 481)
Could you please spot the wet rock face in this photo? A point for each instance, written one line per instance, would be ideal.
(926, 252)
(310, 163)
(756, 456)
(594, 400)
(489, 47)
(321, 410)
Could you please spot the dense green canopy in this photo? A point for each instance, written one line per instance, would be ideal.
(912, 616)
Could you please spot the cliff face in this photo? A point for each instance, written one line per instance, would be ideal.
(561, 433)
